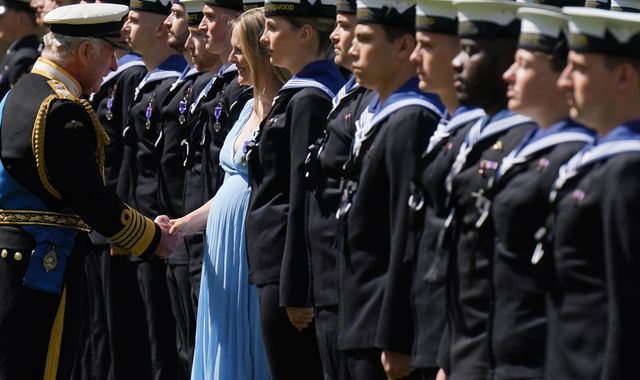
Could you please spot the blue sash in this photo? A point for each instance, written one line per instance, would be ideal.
(53, 243)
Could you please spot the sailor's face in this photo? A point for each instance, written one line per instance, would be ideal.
(589, 88)
(478, 70)
(432, 56)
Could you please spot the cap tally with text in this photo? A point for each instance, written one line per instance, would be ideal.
(387, 12)
(346, 6)
(488, 18)
(304, 8)
(436, 16)
(542, 29)
(18, 5)
(602, 31)
(162, 7)
(97, 20)
(251, 4)
(625, 5)
(193, 9)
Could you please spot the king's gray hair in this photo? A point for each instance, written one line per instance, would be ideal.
(59, 48)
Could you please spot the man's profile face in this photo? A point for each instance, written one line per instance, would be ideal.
(478, 70)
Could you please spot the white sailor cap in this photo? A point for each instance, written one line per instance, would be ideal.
(491, 18)
(625, 5)
(602, 31)
(387, 12)
(99, 20)
(542, 29)
(193, 9)
(436, 16)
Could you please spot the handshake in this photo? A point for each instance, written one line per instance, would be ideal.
(170, 238)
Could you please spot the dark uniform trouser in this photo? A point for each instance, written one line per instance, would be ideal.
(182, 306)
(161, 326)
(115, 342)
(27, 315)
(292, 355)
(333, 361)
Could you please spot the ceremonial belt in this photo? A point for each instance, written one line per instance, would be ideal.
(42, 218)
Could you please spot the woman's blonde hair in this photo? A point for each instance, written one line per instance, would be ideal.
(249, 26)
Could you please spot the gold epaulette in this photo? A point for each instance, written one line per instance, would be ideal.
(37, 137)
(137, 234)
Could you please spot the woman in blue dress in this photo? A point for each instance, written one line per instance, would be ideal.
(228, 338)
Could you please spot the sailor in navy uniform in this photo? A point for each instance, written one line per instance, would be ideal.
(277, 247)
(115, 339)
(211, 114)
(19, 30)
(437, 44)
(488, 32)
(394, 128)
(520, 192)
(144, 139)
(53, 193)
(324, 166)
(173, 111)
(593, 313)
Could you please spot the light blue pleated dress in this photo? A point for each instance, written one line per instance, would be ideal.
(228, 340)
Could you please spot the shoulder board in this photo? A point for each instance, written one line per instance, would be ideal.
(60, 90)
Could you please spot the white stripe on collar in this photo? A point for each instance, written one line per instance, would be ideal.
(122, 68)
(304, 83)
(445, 128)
(48, 68)
(522, 156)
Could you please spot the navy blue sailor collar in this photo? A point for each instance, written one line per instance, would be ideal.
(322, 74)
(409, 90)
(627, 131)
(170, 68)
(124, 62)
(566, 125)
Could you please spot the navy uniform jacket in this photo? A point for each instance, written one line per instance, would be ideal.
(520, 206)
(203, 140)
(72, 175)
(111, 104)
(178, 95)
(424, 229)
(324, 195)
(593, 312)
(471, 246)
(375, 308)
(18, 61)
(276, 233)
(143, 137)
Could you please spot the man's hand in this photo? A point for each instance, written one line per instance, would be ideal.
(300, 317)
(168, 242)
(441, 375)
(396, 365)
